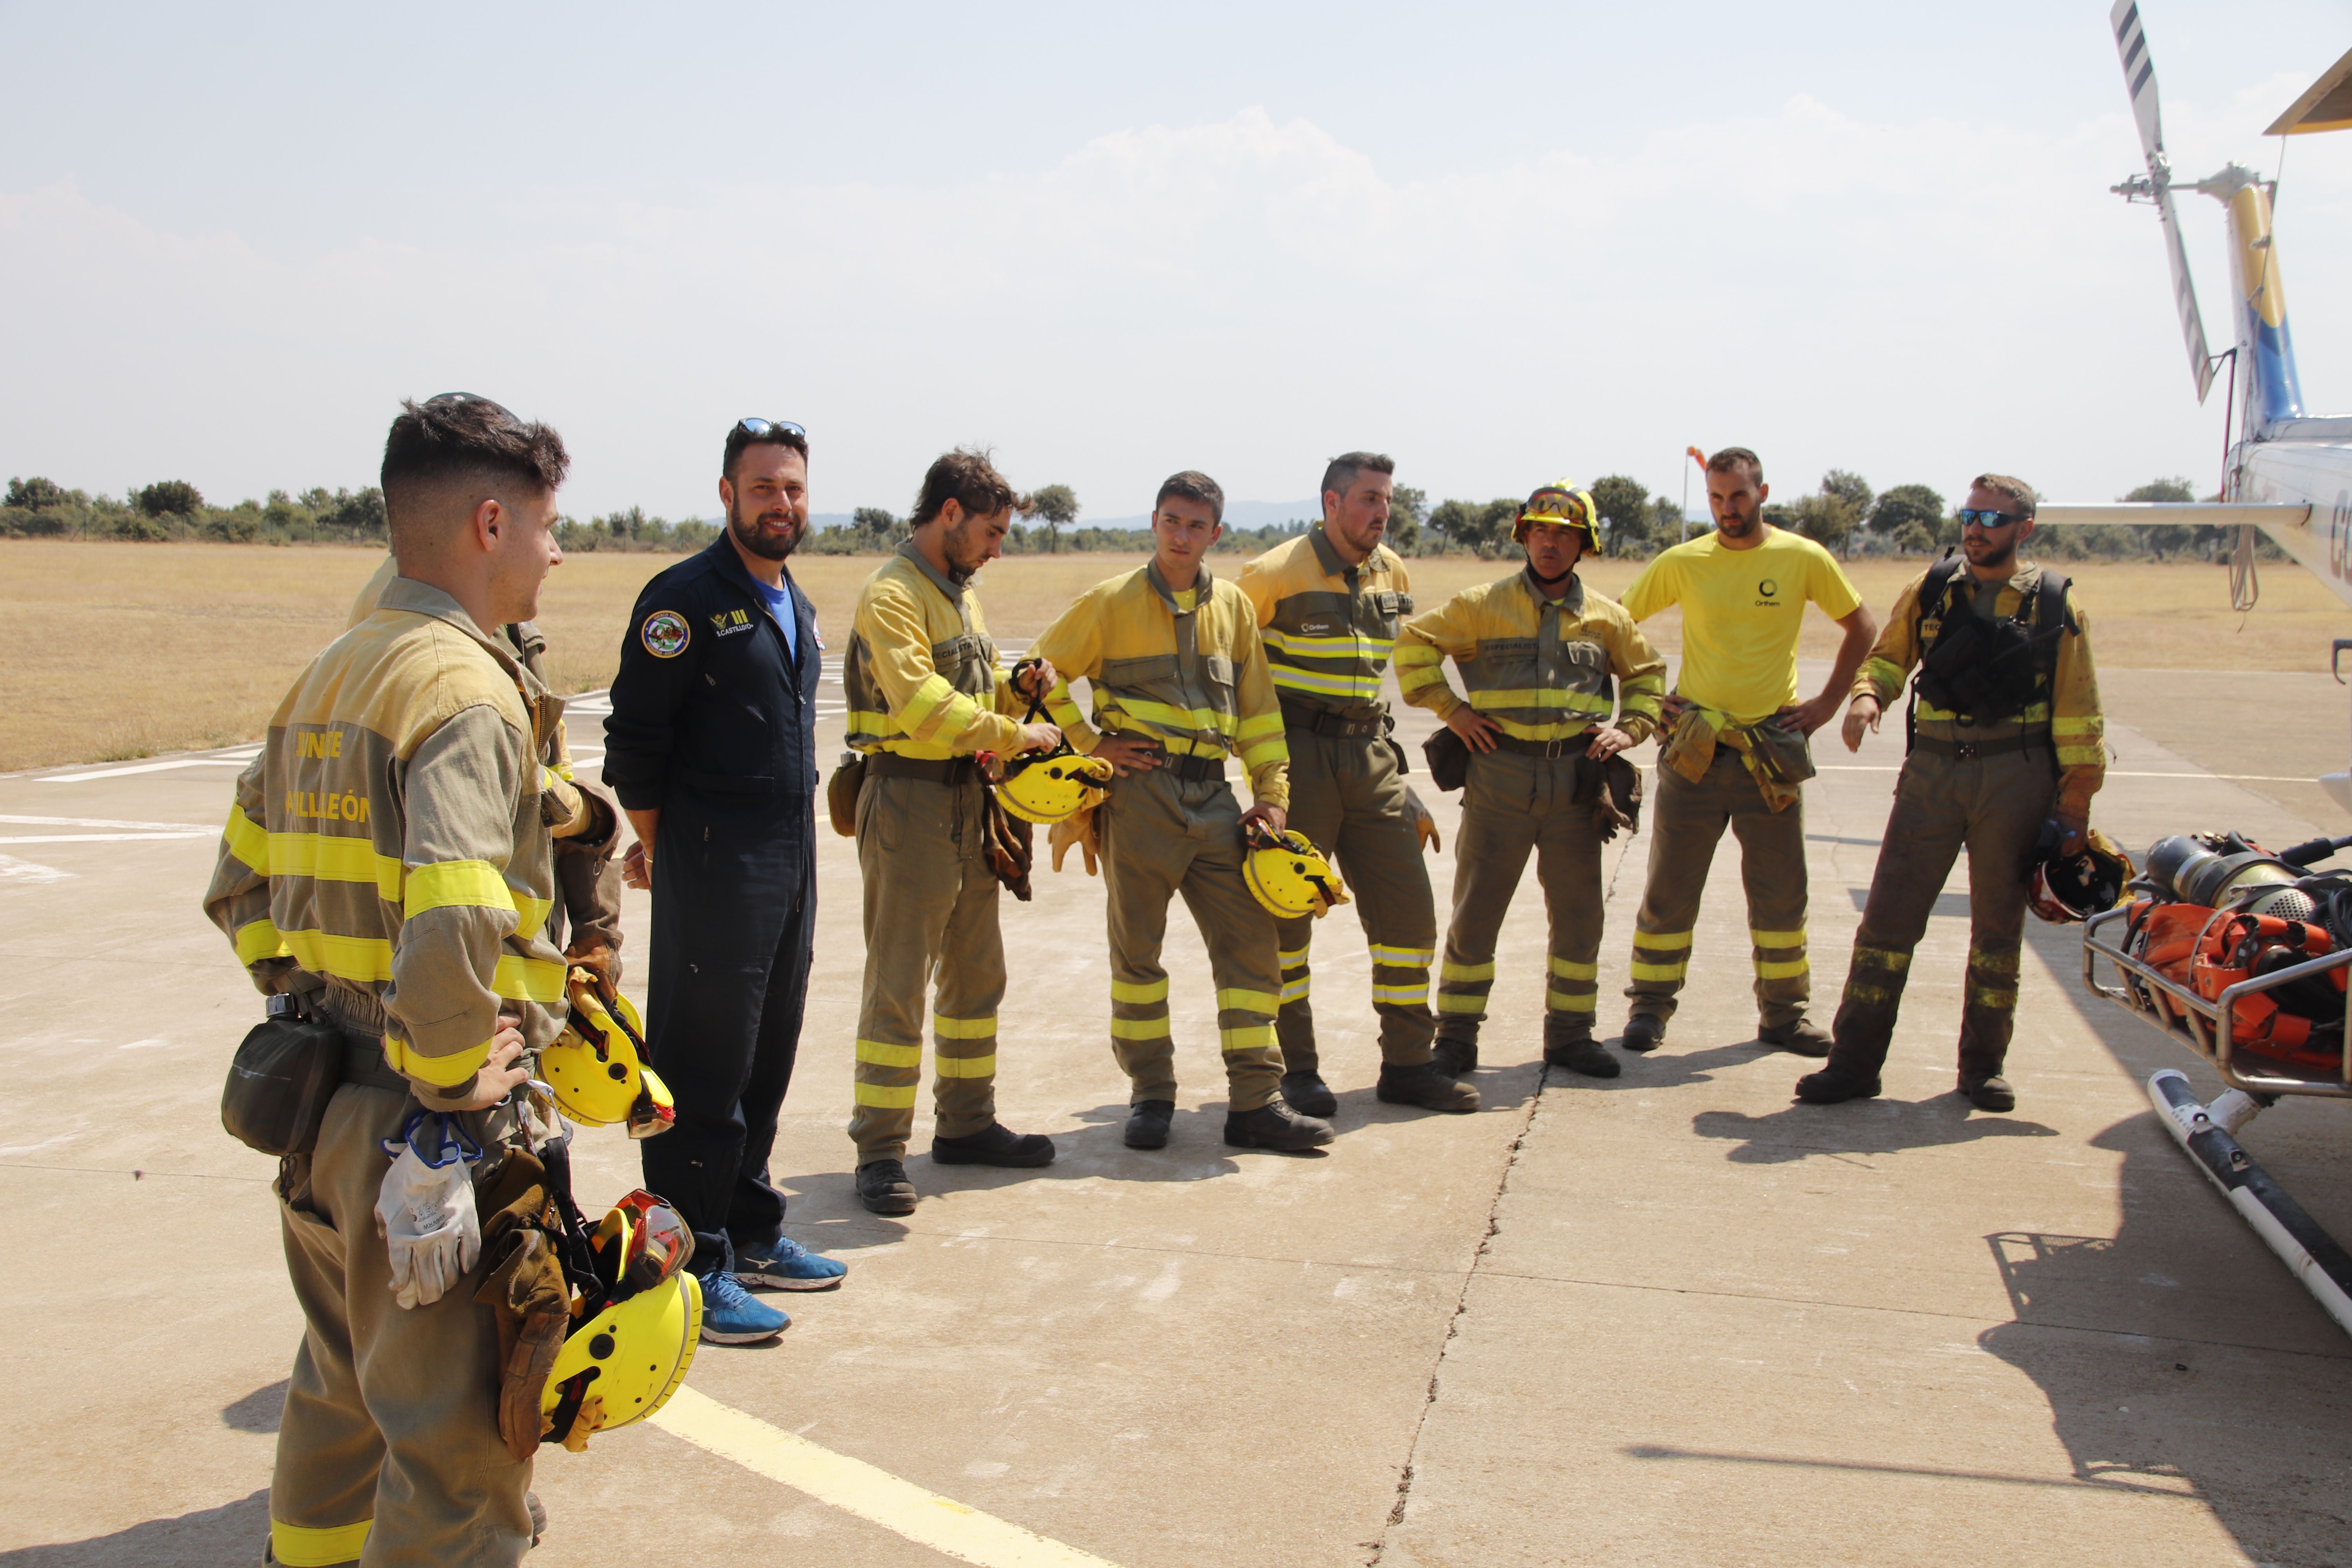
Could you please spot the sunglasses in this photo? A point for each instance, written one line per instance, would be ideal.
(1556, 506)
(783, 430)
(1981, 519)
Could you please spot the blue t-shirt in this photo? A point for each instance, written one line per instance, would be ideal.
(779, 605)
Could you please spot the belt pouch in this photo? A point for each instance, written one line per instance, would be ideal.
(279, 1081)
(841, 793)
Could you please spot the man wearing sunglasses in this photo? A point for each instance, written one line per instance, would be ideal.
(711, 749)
(2005, 736)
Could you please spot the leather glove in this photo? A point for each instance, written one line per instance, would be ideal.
(1425, 826)
(425, 1210)
(1080, 830)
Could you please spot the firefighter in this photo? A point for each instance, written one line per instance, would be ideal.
(1538, 652)
(1735, 753)
(710, 746)
(1180, 680)
(1328, 605)
(1999, 746)
(926, 694)
(381, 867)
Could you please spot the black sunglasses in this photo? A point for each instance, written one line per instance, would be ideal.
(1982, 518)
(783, 430)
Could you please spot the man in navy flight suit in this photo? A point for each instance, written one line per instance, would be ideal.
(711, 749)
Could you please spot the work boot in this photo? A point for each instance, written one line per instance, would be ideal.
(1802, 1038)
(1988, 1092)
(1582, 1053)
(1429, 1086)
(1309, 1095)
(1000, 1145)
(1458, 1057)
(1276, 1126)
(1642, 1033)
(1834, 1083)
(733, 1316)
(883, 1187)
(1147, 1123)
(785, 1264)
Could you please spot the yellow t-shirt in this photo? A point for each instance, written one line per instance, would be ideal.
(1741, 612)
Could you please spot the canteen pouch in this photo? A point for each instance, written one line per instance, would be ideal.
(1449, 759)
(284, 1072)
(841, 793)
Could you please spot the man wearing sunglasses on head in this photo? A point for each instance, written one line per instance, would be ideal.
(2005, 736)
(711, 749)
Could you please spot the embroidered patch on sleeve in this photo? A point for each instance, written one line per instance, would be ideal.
(664, 634)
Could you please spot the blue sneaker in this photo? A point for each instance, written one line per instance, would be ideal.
(732, 1316)
(785, 1264)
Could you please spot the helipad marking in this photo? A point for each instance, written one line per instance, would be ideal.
(856, 1486)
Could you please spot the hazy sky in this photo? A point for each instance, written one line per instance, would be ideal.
(1504, 243)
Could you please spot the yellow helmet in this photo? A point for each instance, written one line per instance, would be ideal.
(1055, 788)
(623, 1363)
(1562, 503)
(596, 1066)
(1290, 877)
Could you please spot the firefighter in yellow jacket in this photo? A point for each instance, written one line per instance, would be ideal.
(926, 695)
(386, 864)
(1179, 680)
(1537, 653)
(2000, 746)
(1328, 605)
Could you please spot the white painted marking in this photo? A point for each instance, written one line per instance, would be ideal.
(102, 837)
(145, 768)
(14, 870)
(101, 822)
(144, 1046)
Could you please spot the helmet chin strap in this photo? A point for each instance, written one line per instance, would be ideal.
(1548, 582)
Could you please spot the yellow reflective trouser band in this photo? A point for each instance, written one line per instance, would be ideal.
(1467, 971)
(1662, 940)
(1562, 1002)
(1257, 1036)
(882, 1054)
(1298, 990)
(1992, 962)
(1570, 969)
(1882, 958)
(883, 1096)
(297, 1546)
(1292, 957)
(1401, 995)
(2001, 1000)
(471, 883)
(1403, 957)
(1151, 991)
(441, 1072)
(1460, 1001)
(965, 1067)
(963, 1028)
(1247, 1000)
(1776, 938)
(1140, 1028)
(1779, 969)
(1640, 970)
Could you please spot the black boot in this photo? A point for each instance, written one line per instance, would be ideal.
(1835, 1082)
(1457, 1055)
(1802, 1038)
(1309, 1095)
(1429, 1086)
(1571, 1046)
(1642, 1033)
(883, 1187)
(1277, 1127)
(1988, 1092)
(1147, 1123)
(1000, 1145)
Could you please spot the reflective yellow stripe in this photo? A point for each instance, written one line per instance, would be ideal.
(1401, 995)
(883, 1096)
(1262, 724)
(1662, 939)
(1298, 679)
(1987, 997)
(250, 843)
(1412, 651)
(1882, 958)
(1180, 718)
(926, 700)
(1151, 991)
(1882, 673)
(1297, 991)
(963, 1028)
(520, 979)
(1776, 938)
(1247, 1000)
(1569, 969)
(299, 1546)
(1413, 679)
(363, 960)
(1403, 957)
(1258, 1037)
(1992, 963)
(1257, 754)
(441, 1072)
(259, 940)
(2079, 756)
(965, 1067)
(883, 1054)
(1291, 958)
(1467, 971)
(334, 857)
(1483, 698)
(2075, 726)
(1772, 970)
(1661, 970)
(472, 884)
(862, 723)
(1140, 1028)
(1569, 1002)
(1452, 1001)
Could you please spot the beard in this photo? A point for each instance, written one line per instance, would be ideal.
(751, 536)
(1989, 553)
(1738, 527)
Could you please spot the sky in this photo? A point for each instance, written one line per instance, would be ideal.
(1503, 243)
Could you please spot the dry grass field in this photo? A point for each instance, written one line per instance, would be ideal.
(124, 650)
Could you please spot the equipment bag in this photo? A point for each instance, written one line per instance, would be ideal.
(841, 793)
(280, 1079)
(1449, 759)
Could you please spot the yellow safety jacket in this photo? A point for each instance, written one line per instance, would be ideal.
(1540, 669)
(388, 842)
(1328, 627)
(921, 672)
(1186, 669)
(2068, 707)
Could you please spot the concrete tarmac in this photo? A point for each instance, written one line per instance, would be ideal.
(1668, 1318)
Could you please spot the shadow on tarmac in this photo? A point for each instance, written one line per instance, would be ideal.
(1858, 1127)
(257, 1411)
(233, 1533)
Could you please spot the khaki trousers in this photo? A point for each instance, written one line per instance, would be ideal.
(930, 914)
(1512, 805)
(1163, 836)
(1687, 821)
(1348, 797)
(388, 1452)
(1995, 807)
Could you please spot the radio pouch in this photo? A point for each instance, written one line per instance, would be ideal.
(284, 1072)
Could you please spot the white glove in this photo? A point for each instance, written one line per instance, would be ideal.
(425, 1212)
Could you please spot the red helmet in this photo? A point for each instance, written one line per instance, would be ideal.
(2066, 889)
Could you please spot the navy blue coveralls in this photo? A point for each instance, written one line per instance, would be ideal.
(713, 723)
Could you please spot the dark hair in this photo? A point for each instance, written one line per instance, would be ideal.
(1193, 485)
(775, 435)
(2020, 494)
(1731, 457)
(458, 440)
(968, 478)
(1341, 473)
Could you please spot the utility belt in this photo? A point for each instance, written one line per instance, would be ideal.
(1186, 766)
(1566, 746)
(2036, 739)
(363, 1063)
(930, 770)
(1331, 726)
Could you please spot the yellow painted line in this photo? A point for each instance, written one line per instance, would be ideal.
(856, 1486)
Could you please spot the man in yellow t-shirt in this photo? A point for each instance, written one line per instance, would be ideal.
(1735, 753)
